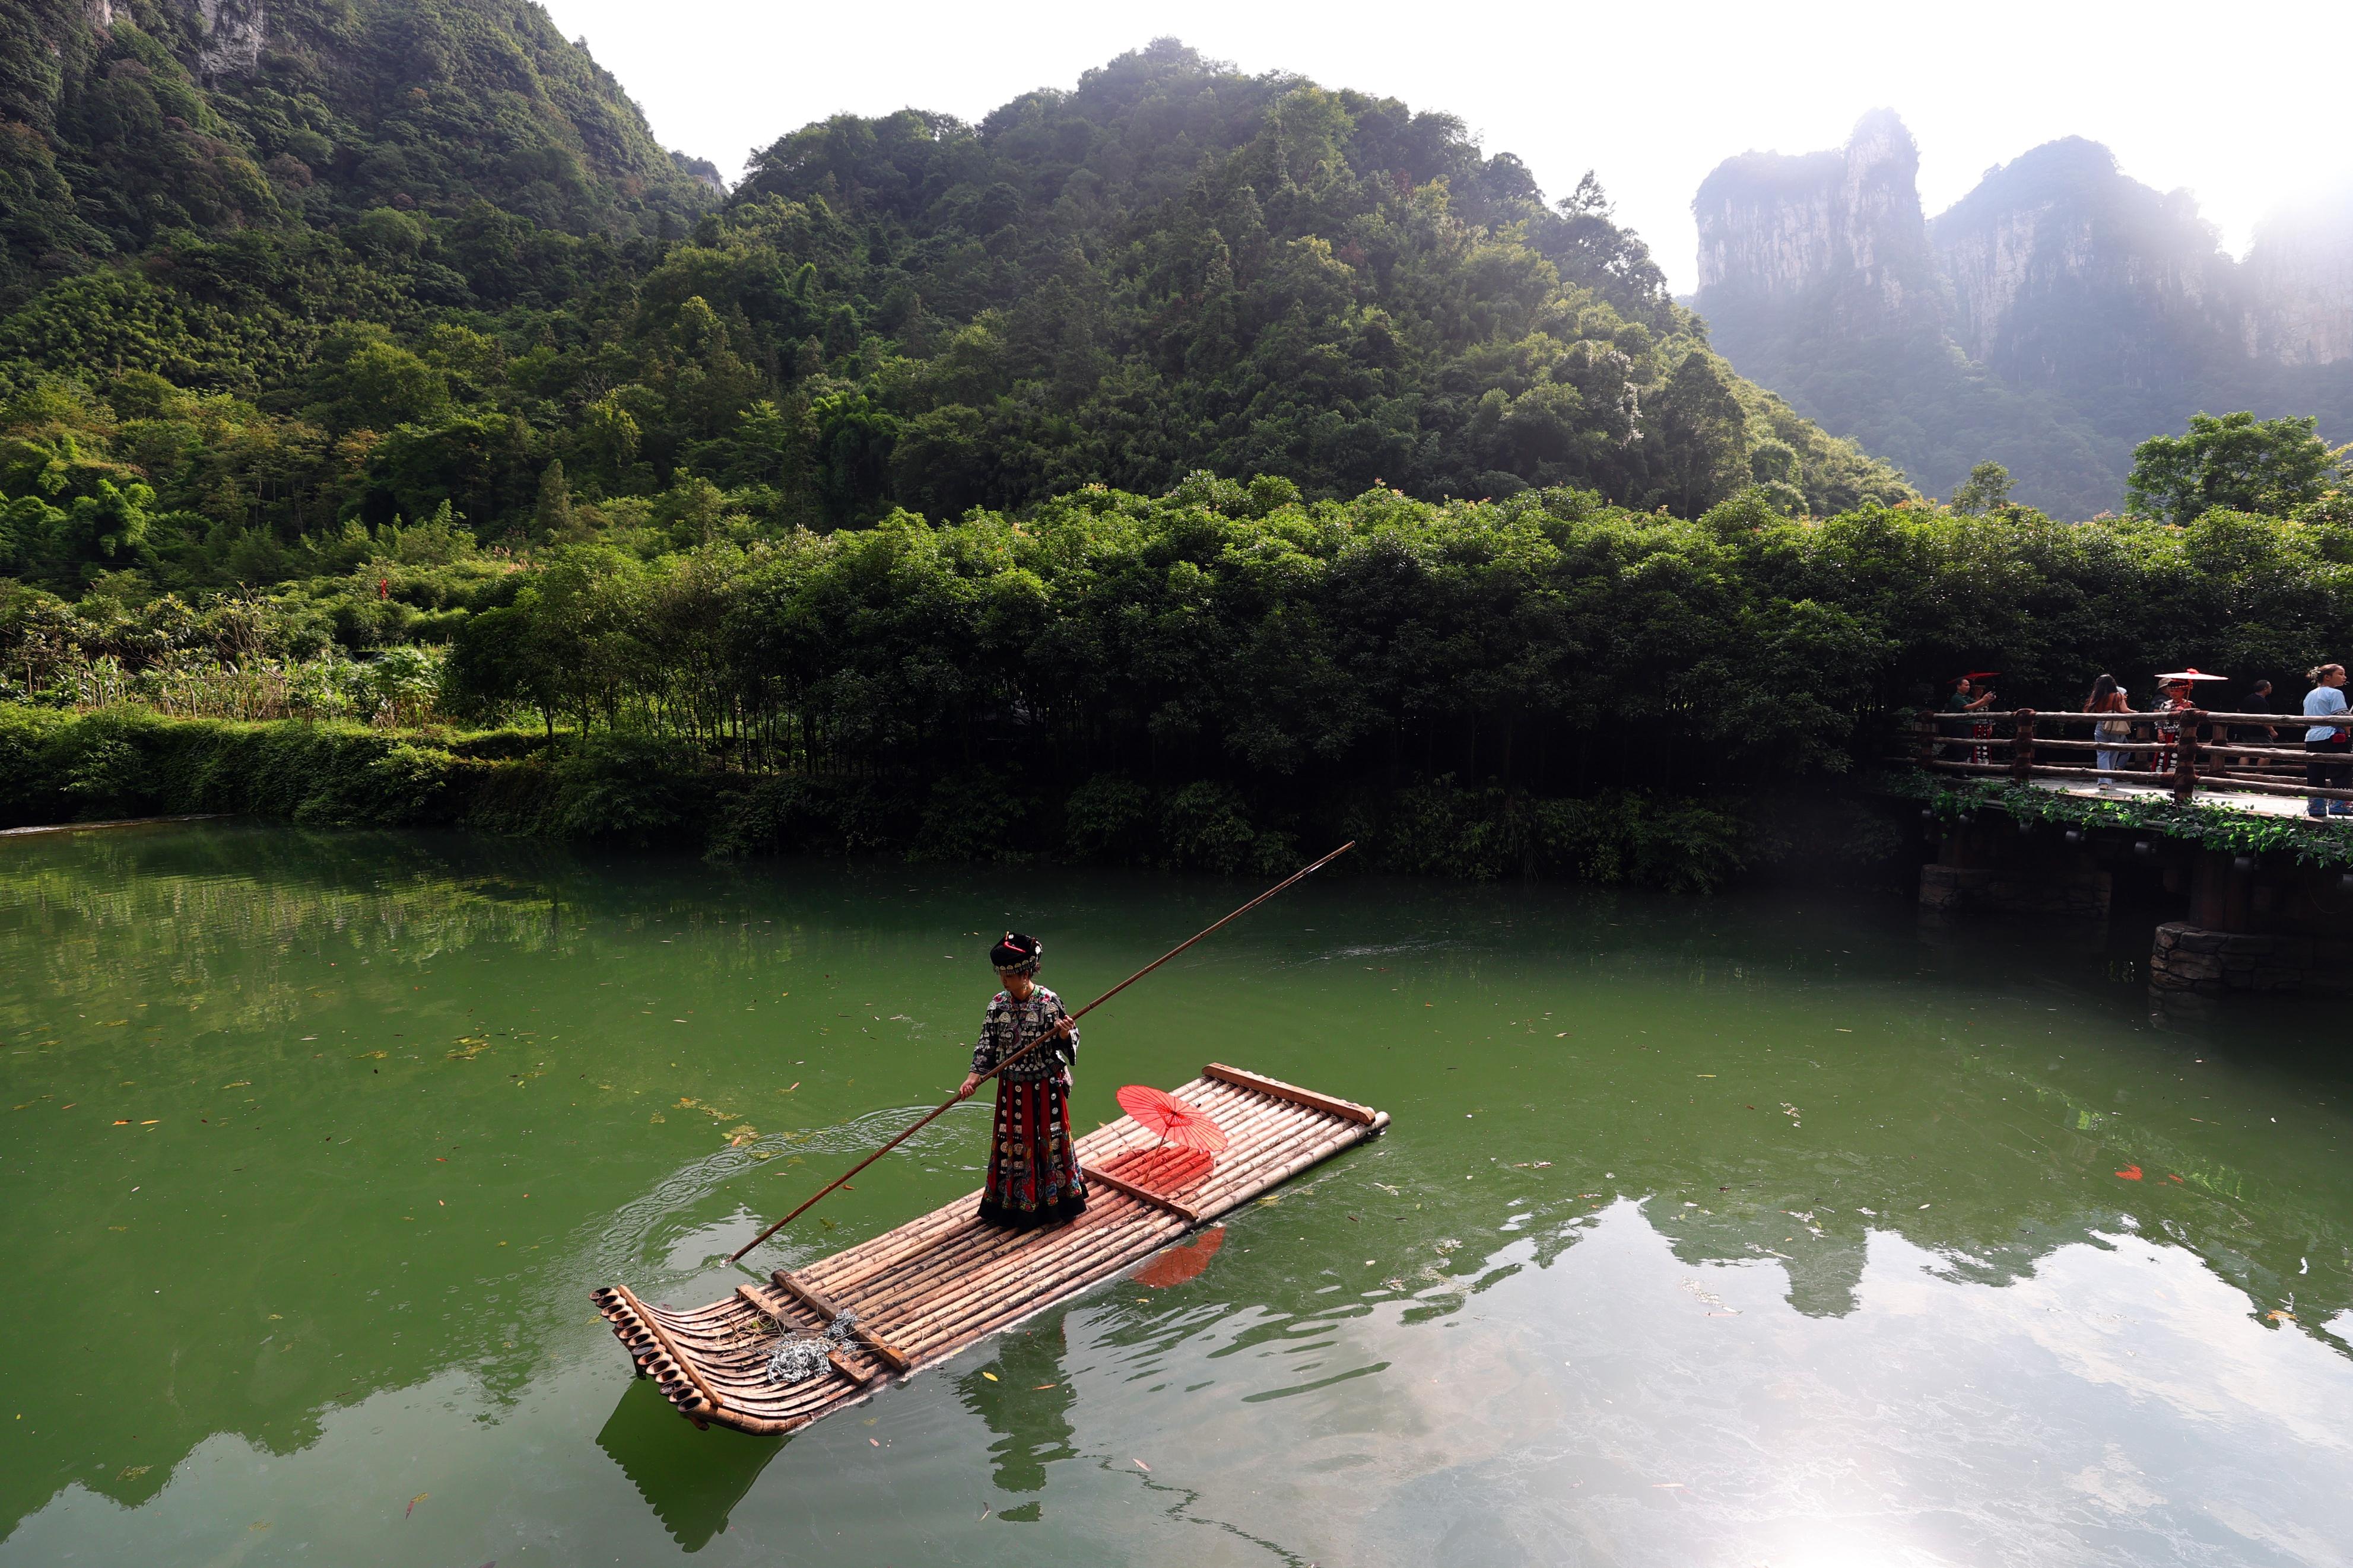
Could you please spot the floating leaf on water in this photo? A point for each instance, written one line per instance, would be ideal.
(2130, 1173)
(419, 1497)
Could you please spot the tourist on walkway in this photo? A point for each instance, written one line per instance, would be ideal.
(1033, 1172)
(2107, 697)
(1969, 697)
(2258, 699)
(2173, 697)
(2331, 742)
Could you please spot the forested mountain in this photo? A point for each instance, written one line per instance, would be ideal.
(2051, 320)
(281, 271)
(131, 121)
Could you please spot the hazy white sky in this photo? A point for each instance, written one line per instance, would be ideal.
(2238, 103)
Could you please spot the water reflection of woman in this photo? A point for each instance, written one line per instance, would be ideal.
(1033, 1175)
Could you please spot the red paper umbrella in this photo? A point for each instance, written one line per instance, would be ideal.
(1177, 1121)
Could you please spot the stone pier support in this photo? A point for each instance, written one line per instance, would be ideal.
(2015, 891)
(2191, 961)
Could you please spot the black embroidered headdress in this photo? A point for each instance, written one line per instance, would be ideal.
(1016, 955)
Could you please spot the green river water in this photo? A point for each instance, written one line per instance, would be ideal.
(1770, 1228)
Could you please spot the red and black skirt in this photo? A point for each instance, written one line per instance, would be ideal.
(1033, 1174)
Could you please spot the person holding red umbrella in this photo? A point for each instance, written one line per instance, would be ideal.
(1033, 1172)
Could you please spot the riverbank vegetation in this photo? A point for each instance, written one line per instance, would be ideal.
(1212, 679)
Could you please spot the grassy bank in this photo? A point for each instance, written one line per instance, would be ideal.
(59, 766)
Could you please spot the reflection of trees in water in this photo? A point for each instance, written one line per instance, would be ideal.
(310, 1284)
(205, 928)
(1027, 1405)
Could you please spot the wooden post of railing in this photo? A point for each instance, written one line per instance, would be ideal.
(2185, 754)
(2021, 746)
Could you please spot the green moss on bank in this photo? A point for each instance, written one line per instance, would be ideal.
(2220, 827)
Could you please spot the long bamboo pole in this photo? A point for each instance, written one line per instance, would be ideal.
(953, 1101)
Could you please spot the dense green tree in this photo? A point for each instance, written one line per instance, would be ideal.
(2236, 461)
(1985, 488)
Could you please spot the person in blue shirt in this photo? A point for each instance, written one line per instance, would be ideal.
(2331, 742)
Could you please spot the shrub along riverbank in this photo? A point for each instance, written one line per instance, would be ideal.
(59, 766)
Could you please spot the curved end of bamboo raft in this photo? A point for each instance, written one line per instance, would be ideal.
(925, 1291)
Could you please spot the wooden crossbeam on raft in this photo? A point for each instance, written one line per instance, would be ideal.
(1099, 1177)
(1362, 1115)
(841, 1363)
(816, 1302)
(925, 1291)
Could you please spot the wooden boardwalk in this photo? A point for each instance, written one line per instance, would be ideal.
(921, 1293)
(2211, 792)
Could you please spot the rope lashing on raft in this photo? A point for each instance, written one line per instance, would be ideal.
(801, 1356)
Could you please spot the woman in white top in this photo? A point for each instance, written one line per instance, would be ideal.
(2107, 697)
(2332, 742)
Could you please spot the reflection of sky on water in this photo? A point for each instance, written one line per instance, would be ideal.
(2118, 1404)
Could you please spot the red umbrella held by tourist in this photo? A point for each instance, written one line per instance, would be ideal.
(1176, 1121)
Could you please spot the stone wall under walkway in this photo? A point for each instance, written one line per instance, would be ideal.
(2187, 961)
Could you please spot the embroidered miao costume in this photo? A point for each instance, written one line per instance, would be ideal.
(1033, 1176)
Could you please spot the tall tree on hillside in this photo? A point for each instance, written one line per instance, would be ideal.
(1986, 489)
(1701, 437)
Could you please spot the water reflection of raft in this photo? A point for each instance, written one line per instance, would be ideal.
(923, 1293)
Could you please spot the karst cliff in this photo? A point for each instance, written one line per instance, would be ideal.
(2051, 318)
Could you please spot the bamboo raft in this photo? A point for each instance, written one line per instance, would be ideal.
(923, 1293)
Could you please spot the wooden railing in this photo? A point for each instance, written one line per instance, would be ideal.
(2014, 743)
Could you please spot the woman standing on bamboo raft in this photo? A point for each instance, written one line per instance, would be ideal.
(1033, 1174)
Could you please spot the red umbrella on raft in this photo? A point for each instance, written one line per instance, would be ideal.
(1176, 1121)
